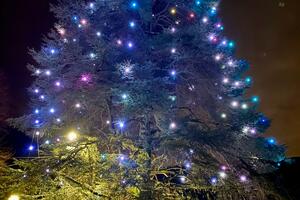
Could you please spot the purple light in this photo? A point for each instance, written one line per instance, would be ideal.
(213, 180)
(243, 178)
(57, 83)
(86, 78)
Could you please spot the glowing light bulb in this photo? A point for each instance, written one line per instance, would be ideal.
(130, 44)
(47, 170)
(244, 106)
(47, 142)
(255, 99)
(213, 180)
(37, 71)
(121, 124)
(173, 73)
(37, 121)
(173, 50)
(31, 148)
(223, 115)
(37, 133)
(234, 104)
(133, 4)
(77, 105)
(36, 90)
(14, 197)
(223, 167)
(237, 83)
(119, 42)
(98, 33)
(198, 2)
(173, 11)
(57, 83)
(243, 178)
(218, 57)
(52, 110)
(222, 174)
(72, 136)
(172, 125)
(231, 44)
(173, 29)
(58, 120)
(91, 5)
(132, 24)
(92, 55)
(225, 80)
(52, 51)
(245, 129)
(205, 20)
(42, 97)
(83, 22)
(182, 179)
(192, 15)
(124, 96)
(107, 122)
(48, 73)
(188, 165)
(271, 141)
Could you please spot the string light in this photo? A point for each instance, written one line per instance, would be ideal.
(48, 73)
(205, 20)
(78, 105)
(173, 50)
(234, 104)
(213, 180)
(130, 44)
(31, 148)
(72, 136)
(133, 4)
(14, 197)
(52, 110)
(172, 125)
(244, 106)
(132, 24)
(243, 178)
(173, 11)
(121, 124)
(223, 115)
(222, 174)
(98, 34)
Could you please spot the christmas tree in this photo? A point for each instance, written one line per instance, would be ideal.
(141, 100)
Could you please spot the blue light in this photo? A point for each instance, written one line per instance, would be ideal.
(130, 44)
(255, 99)
(213, 11)
(37, 121)
(271, 141)
(198, 2)
(173, 73)
(51, 110)
(31, 148)
(124, 96)
(248, 80)
(213, 180)
(132, 24)
(231, 44)
(121, 124)
(36, 111)
(75, 18)
(52, 51)
(133, 4)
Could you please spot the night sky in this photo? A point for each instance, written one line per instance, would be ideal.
(267, 34)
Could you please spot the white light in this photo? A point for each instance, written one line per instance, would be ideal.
(182, 179)
(121, 124)
(173, 72)
(172, 125)
(47, 142)
(132, 24)
(243, 178)
(222, 174)
(98, 34)
(225, 80)
(92, 5)
(124, 96)
(52, 51)
(253, 131)
(37, 133)
(48, 73)
(173, 50)
(58, 120)
(31, 148)
(234, 104)
(72, 136)
(14, 197)
(173, 30)
(245, 129)
(204, 19)
(223, 115)
(42, 97)
(218, 57)
(130, 45)
(244, 106)
(92, 55)
(77, 105)
(47, 170)
(38, 71)
(230, 63)
(52, 110)
(107, 122)
(237, 83)
(36, 91)
(57, 83)
(119, 42)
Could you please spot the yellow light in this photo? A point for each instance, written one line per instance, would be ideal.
(72, 136)
(173, 11)
(14, 197)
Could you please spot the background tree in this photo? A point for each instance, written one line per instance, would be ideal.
(141, 99)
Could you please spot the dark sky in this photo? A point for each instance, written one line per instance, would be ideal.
(267, 34)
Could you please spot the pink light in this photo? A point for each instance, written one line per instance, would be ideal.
(243, 178)
(86, 78)
(83, 21)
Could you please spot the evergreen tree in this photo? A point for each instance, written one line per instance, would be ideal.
(141, 100)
